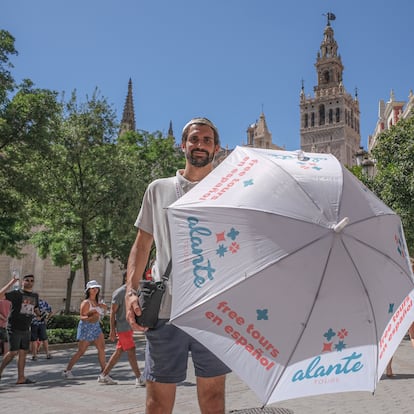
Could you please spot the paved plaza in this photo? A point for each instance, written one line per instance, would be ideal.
(53, 394)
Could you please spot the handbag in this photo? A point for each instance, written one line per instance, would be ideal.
(150, 294)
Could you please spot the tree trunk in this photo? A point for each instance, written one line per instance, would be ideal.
(69, 284)
(85, 256)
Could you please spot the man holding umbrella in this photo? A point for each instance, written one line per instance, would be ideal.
(167, 346)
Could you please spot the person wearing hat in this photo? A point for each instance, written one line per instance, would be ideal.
(24, 305)
(89, 327)
(167, 347)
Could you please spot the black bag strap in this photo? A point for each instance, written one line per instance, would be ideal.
(166, 275)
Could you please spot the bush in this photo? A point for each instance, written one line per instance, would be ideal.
(61, 336)
(63, 321)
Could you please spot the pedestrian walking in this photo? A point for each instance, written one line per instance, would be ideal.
(89, 327)
(24, 305)
(120, 328)
(38, 330)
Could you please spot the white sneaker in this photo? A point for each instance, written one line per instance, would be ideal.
(67, 375)
(140, 382)
(106, 379)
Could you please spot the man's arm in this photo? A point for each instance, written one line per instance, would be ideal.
(112, 321)
(137, 261)
(5, 288)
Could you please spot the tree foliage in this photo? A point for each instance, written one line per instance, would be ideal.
(80, 180)
(394, 181)
(66, 183)
(27, 118)
(144, 157)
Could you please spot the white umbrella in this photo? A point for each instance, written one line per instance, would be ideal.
(292, 272)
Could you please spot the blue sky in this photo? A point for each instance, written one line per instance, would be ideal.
(224, 59)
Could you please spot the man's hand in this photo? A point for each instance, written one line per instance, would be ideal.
(132, 310)
(112, 335)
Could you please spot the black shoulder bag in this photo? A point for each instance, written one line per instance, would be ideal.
(150, 294)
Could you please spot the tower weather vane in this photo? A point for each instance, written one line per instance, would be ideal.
(329, 17)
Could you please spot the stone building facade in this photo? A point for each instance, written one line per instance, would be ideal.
(51, 281)
(389, 113)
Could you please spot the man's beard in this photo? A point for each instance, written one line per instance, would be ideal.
(199, 162)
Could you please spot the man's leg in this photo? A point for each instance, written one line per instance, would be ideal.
(112, 361)
(160, 398)
(210, 392)
(33, 341)
(127, 343)
(7, 358)
(33, 349)
(166, 357)
(21, 362)
(211, 378)
(133, 362)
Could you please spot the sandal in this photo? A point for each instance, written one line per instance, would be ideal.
(26, 382)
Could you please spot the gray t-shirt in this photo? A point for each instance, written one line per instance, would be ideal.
(118, 298)
(153, 219)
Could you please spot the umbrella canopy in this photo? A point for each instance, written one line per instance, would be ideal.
(292, 272)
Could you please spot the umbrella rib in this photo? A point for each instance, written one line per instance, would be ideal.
(305, 324)
(308, 196)
(369, 301)
(379, 252)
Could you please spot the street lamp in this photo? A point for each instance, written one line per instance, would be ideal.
(360, 155)
(363, 160)
(368, 167)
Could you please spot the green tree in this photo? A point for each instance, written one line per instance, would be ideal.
(80, 179)
(27, 118)
(144, 157)
(394, 180)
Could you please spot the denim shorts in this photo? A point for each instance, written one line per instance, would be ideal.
(166, 355)
(38, 332)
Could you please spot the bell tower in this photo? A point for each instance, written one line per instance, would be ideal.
(128, 116)
(330, 119)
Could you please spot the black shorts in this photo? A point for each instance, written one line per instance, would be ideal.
(3, 335)
(19, 340)
(38, 332)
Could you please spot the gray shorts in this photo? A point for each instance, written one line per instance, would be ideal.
(19, 340)
(166, 355)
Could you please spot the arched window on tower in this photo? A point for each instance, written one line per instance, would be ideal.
(313, 119)
(330, 116)
(305, 121)
(338, 115)
(321, 114)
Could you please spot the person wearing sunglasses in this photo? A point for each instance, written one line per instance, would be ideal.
(24, 305)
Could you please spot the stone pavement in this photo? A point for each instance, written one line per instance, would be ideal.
(54, 395)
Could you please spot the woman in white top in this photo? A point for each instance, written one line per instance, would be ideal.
(89, 327)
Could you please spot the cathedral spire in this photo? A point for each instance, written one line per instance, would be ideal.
(128, 116)
(170, 130)
(328, 63)
(330, 119)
